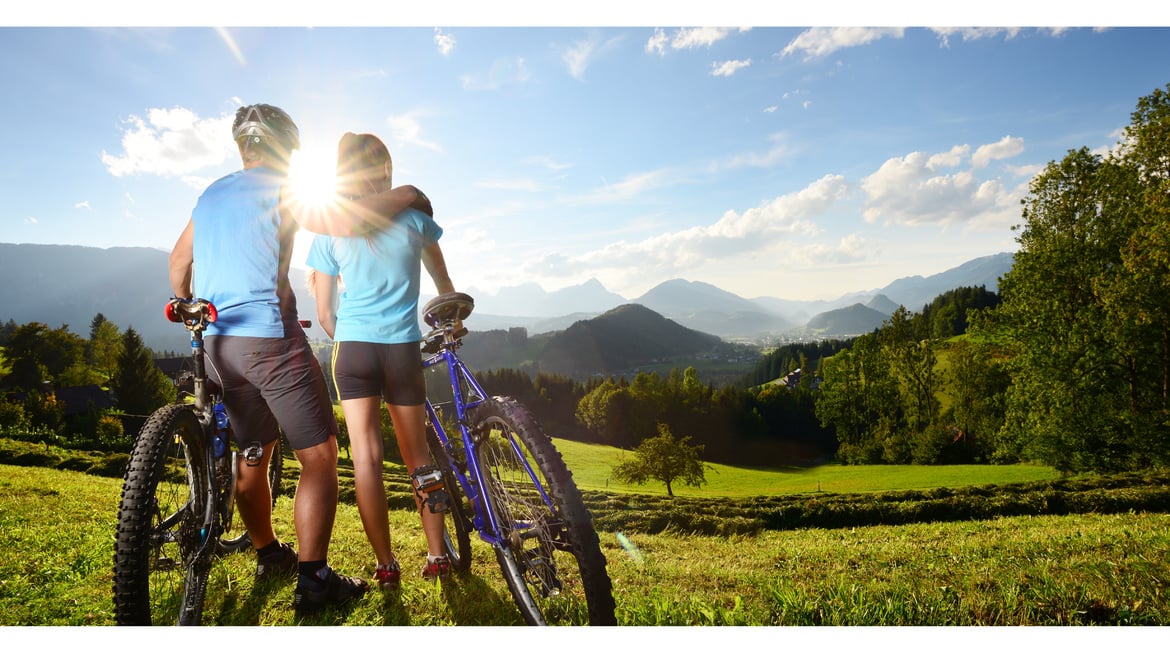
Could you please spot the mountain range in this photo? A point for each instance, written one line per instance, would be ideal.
(58, 284)
(706, 308)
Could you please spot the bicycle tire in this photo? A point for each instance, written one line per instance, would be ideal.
(550, 556)
(456, 527)
(160, 567)
(275, 470)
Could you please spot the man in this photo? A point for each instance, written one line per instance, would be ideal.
(236, 248)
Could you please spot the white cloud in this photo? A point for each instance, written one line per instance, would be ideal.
(657, 42)
(915, 190)
(698, 37)
(732, 235)
(171, 143)
(504, 72)
(779, 151)
(31, 220)
(850, 249)
(406, 128)
(821, 41)
(581, 54)
(974, 33)
(549, 163)
(577, 57)
(445, 42)
(84, 204)
(1009, 146)
(636, 183)
(948, 159)
(687, 38)
(728, 68)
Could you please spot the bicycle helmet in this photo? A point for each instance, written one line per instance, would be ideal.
(256, 124)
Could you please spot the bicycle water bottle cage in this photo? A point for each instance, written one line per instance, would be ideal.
(429, 480)
(254, 453)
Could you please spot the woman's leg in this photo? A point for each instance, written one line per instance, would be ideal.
(410, 427)
(362, 417)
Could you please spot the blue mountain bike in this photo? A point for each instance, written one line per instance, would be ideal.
(508, 483)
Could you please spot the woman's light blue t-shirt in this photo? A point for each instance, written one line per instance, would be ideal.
(379, 278)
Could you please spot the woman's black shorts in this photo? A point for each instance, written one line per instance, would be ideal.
(393, 371)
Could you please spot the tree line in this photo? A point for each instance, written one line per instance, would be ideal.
(38, 361)
(1072, 366)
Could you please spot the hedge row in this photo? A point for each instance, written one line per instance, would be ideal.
(1145, 492)
(1138, 492)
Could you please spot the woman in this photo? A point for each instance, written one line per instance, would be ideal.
(376, 344)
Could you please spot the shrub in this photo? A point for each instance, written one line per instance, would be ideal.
(112, 465)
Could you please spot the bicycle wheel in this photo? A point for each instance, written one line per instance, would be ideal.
(551, 557)
(160, 567)
(227, 495)
(456, 527)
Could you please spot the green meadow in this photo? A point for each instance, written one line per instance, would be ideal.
(592, 463)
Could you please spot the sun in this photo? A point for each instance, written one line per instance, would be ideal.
(311, 176)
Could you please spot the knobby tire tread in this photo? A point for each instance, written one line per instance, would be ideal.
(137, 544)
(566, 497)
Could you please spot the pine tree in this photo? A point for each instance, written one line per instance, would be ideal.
(139, 386)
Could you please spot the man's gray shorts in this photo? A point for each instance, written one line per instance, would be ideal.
(270, 384)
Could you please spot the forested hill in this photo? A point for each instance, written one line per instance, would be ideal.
(617, 342)
(624, 336)
(855, 319)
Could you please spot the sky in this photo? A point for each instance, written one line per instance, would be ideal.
(627, 146)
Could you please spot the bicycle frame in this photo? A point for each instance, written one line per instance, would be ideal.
(484, 516)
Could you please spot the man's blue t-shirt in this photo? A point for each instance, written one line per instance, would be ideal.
(379, 278)
(241, 255)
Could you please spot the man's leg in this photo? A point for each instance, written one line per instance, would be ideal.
(315, 504)
(254, 499)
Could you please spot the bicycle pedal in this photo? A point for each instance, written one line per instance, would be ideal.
(439, 501)
(429, 480)
(254, 453)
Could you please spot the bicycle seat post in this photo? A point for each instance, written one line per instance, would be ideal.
(200, 374)
(195, 315)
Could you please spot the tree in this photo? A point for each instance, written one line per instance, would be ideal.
(608, 410)
(665, 459)
(105, 345)
(37, 355)
(978, 383)
(1085, 316)
(139, 385)
(861, 400)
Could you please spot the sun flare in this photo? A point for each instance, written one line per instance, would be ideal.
(312, 176)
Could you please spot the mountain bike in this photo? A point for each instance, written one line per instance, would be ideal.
(178, 496)
(506, 481)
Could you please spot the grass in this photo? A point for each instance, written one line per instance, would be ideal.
(57, 528)
(592, 464)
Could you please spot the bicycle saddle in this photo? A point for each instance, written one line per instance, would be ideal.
(449, 307)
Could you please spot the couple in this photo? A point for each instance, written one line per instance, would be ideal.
(235, 252)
